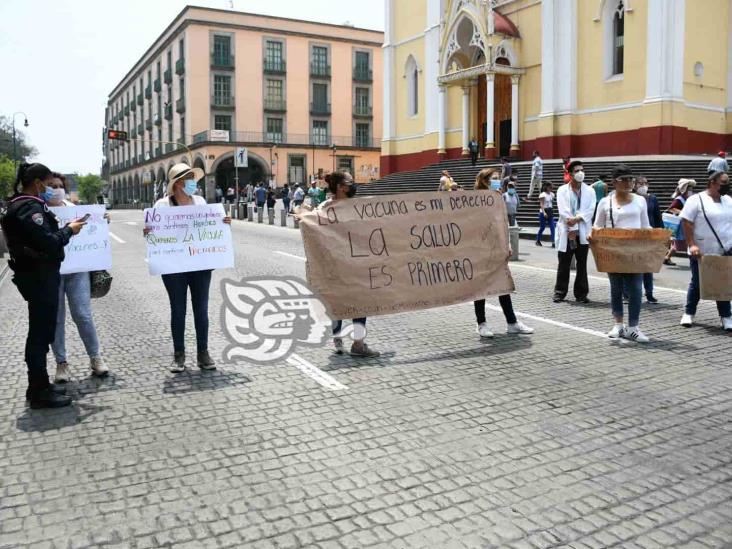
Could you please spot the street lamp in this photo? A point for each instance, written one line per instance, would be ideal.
(15, 151)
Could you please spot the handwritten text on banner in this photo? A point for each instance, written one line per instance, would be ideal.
(188, 238)
(383, 255)
(90, 249)
(629, 250)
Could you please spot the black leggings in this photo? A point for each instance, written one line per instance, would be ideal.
(506, 306)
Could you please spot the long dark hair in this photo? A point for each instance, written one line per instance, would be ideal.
(28, 173)
(334, 179)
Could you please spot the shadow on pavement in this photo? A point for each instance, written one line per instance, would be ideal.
(195, 381)
(39, 421)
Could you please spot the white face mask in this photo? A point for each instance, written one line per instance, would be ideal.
(642, 190)
(59, 195)
(579, 177)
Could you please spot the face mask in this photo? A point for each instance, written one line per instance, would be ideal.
(47, 195)
(724, 189)
(512, 191)
(59, 195)
(643, 190)
(579, 177)
(190, 187)
(352, 190)
(495, 184)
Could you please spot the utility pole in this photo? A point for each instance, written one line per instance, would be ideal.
(15, 148)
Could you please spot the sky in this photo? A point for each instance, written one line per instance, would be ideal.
(60, 59)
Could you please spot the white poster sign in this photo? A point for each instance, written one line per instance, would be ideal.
(188, 238)
(90, 249)
(241, 158)
(219, 135)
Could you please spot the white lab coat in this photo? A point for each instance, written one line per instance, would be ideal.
(586, 210)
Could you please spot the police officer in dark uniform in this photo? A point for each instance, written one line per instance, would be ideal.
(36, 246)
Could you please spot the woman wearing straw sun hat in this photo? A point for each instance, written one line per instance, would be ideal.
(182, 189)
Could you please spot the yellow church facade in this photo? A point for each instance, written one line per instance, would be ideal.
(564, 77)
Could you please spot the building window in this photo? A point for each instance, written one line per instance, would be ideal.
(222, 122)
(320, 132)
(222, 86)
(320, 57)
(345, 164)
(320, 96)
(273, 52)
(274, 130)
(183, 129)
(296, 171)
(412, 75)
(274, 90)
(170, 131)
(170, 59)
(362, 98)
(181, 49)
(363, 135)
(222, 49)
(362, 60)
(618, 38)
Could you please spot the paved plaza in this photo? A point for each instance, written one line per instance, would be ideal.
(560, 439)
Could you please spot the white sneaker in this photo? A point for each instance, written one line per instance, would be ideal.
(634, 334)
(63, 375)
(727, 323)
(519, 328)
(687, 321)
(617, 332)
(98, 367)
(483, 330)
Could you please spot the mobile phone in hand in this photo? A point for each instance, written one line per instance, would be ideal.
(85, 218)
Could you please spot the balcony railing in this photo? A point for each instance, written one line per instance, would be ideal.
(169, 147)
(133, 133)
(274, 137)
(275, 105)
(263, 138)
(363, 74)
(180, 66)
(133, 106)
(275, 66)
(157, 120)
(169, 112)
(148, 124)
(180, 105)
(363, 111)
(318, 108)
(140, 131)
(320, 70)
(140, 99)
(168, 75)
(157, 86)
(222, 101)
(148, 92)
(158, 151)
(222, 61)
(127, 110)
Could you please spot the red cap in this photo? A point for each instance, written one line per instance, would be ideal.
(722, 153)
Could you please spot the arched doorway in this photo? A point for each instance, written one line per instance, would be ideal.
(255, 173)
(501, 109)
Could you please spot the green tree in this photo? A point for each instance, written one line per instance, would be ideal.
(89, 187)
(7, 176)
(24, 150)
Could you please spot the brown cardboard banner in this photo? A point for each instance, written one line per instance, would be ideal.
(405, 252)
(629, 250)
(715, 274)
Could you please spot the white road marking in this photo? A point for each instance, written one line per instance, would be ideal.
(318, 375)
(292, 255)
(131, 223)
(554, 323)
(593, 277)
(118, 239)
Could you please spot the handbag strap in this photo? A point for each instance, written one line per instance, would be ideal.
(711, 227)
(612, 219)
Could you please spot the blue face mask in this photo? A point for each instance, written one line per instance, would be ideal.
(495, 185)
(47, 195)
(512, 191)
(190, 187)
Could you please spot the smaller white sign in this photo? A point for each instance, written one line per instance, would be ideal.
(188, 238)
(89, 250)
(241, 159)
(219, 135)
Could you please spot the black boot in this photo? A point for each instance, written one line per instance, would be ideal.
(47, 398)
(57, 389)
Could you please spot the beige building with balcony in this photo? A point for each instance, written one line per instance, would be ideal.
(302, 97)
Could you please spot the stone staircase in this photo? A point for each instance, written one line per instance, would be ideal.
(663, 175)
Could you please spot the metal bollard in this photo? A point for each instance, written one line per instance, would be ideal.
(241, 209)
(250, 212)
(260, 215)
(297, 222)
(283, 218)
(270, 216)
(513, 234)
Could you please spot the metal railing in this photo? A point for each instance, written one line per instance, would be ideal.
(148, 92)
(222, 101)
(169, 112)
(363, 110)
(363, 74)
(275, 66)
(168, 75)
(275, 105)
(180, 105)
(320, 70)
(140, 99)
(222, 61)
(180, 66)
(264, 138)
(319, 108)
(157, 86)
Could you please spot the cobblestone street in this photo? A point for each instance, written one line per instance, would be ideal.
(559, 439)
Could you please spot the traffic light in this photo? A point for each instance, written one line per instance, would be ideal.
(119, 135)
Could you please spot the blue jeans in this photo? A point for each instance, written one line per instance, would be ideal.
(177, 286)
(634, 285)
(76, 288)
(545, 221)
(647, 285)
(338, 325)
(693, 294)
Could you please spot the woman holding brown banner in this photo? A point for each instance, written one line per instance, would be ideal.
(707, 223)
(490, 178)
(624, 210)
